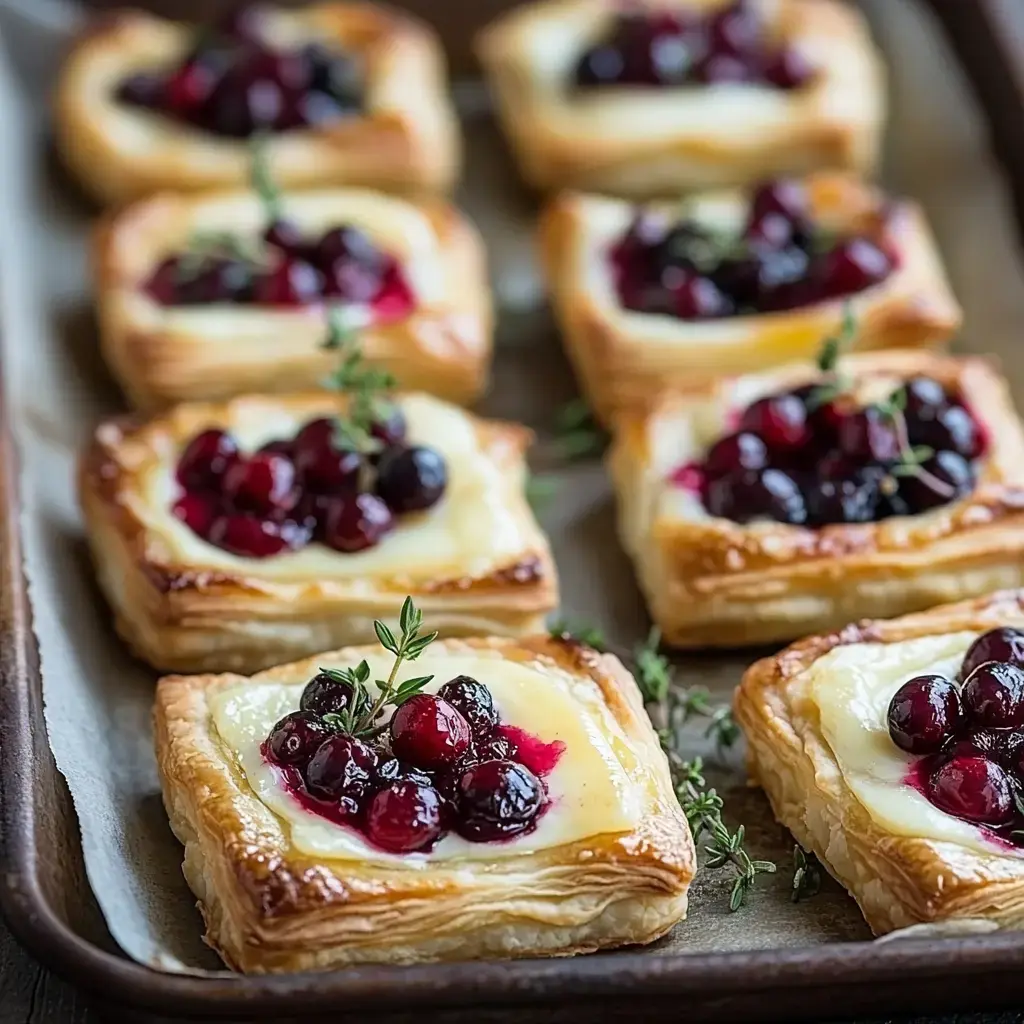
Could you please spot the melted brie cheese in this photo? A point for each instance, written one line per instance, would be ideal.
(468, 533)
(596, 787)
(852, 687)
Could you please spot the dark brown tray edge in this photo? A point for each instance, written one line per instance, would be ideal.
(833, 981)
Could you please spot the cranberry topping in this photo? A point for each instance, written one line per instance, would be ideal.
(263, 483)
(746, 495)
(993, 696)
(357, 522)
(429, 732)
(779, 420)
(323, 467)
(736, 452)
(973, 788)
(670, 48)
(296, 738)
(390, 428)
(206, 459)
(404, 817)
(342, 770)
(925, 714)
(249, 536)
(851, 267)
(497, 800)
(326, 693)
(198, 512)
(473, 701)
(411, 479)
(1003, 644)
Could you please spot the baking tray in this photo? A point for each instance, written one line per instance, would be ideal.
(50, 908)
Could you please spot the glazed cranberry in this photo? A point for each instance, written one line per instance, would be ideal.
(322, 467)
(973, 788)
(852, 266)
(276, 447)
(190, 86)
(143, 90)
(473, 701)
(343, 769)
(925, 398)
(291, 283)
(602, 65)
(349, 244)
(779, 420)
(868, 434)
(1004, 746)
(206, 459)
(217, 280)
(783, 198)
(427, 731)
(245, 23)
(393, 770)
(404, 817)
(356, 522)
(789, 69)
(952, 428)
(993, 696)
(285, 235)
(746, 495)
(390, 427)
(735, 452)
(335, 75)
(296, 738)
(250, 536)
(644, 50)
(696, 297)
(722, 68)
(264, 482)
(496, 800)
(411, 479)
(945, 477)
(327, 694)
(163, 283)
(197, 511)
(245, 100)
(735, 29)
(854, 497)
(925, 714)
(309, 108)
(311, 512)
(1004, 644)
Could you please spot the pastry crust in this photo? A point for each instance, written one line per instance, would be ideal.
(897, 880)
(269, 908)
(710, 582)
(407, 139)
(622, 358)
(163, 355)
(648, 142)
(184, 605)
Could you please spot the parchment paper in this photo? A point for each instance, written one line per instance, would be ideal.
(98, 699)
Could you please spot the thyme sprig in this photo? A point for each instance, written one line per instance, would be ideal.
(832, 348)
(540, 490)
(262, 180)
(910, 458)
(360, 717)
(564, 628)
(806, 874)
(578, 433)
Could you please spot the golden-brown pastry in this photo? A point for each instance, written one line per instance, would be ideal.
(402, 134)
(474, 558)
(815, 718)
(729, 552)
(640, 139)
(624, 356)
(428, 320)
(285, 886)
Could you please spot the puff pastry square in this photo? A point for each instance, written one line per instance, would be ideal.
(622, 358)
(167, 354)
(282, 890)
(643, 142)
(407, 138)
(711, 582)
(475, 563)
(814, 719)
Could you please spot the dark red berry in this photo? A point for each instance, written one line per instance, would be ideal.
(853, 496)
(250, 536)
(868, 435)
(925, 714)
(356, 522)
(735, 29)
(789, 69)
(952, 427)
(144, 89)
(1004, 746)
(993, 696)
(497, 800)
(411, 479)
(285, 235)
(343, 769)
(473, 701)
(925, 398)
(943, 478)
(973, 788)
(245, 22)
(1004, 644)
(786, 198)
(428, 732)
(351, 245)
(262, 483)
(747, 495)
(325, 694)
(322, 467)
(852, 266)
(291, 282)
(735, 452)
(296, 738)
(198, 512)
(393, 770)
(206, 459)
(722, 68)
(188, 88)
(779, 420)
(404, 817)
(390, 427)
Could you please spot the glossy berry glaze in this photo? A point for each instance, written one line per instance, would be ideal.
(680, 48)
(780, 261)
(234, 83)
(444, 763)
(307, 489)
(970, 733)
(289, 269)
(808, 457)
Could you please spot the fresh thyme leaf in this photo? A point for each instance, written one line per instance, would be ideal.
(409, 688)
(409, 619)
(540, 490)
(833, 347)
(806, 874)
(385, 636)
(653, 671)
(579, 434)
(581, 632)
(262, 181)
(339, 331)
